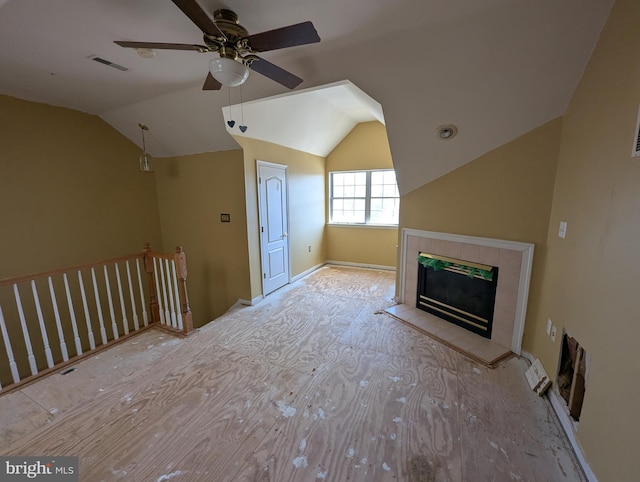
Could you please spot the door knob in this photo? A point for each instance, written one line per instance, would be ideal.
(285, 234)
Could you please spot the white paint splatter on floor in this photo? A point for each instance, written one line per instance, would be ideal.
(300, 461)
(171, 475)
(395, 379)
(397, 420)
(321, 475)
(364, 383)
(350, 453)
(385, 466)
(286, 410)
(401, 400)
(303, 444)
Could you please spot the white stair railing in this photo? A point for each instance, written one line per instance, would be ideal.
(39, 334)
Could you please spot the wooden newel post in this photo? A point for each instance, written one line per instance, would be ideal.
(181, 271)
(153, 300)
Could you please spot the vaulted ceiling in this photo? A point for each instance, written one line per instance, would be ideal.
(494, 68)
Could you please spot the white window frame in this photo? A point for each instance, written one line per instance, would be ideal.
(367, 199)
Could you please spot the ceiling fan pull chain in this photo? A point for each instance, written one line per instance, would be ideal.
(230, 122)
(242, 127)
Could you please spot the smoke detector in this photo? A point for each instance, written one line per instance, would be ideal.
(146, 53)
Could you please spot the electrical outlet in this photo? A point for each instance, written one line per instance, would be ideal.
(549, 325)
(553, 334)
(309, 248)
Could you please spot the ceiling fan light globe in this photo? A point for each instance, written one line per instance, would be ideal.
(228, 72)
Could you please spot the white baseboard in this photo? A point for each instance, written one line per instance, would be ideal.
(361, 265)
(306, 273)
(252, 302)
(559, 408)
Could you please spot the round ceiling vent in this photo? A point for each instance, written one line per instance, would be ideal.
(446, 132)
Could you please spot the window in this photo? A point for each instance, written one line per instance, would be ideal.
(364, 197)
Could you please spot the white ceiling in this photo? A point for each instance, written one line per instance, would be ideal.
(495, 68)
(313, 120)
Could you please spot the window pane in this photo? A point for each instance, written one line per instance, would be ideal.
(349, 191)
(390, 190)
(360, 191)
(390, 177)
(376, 190)
(385, 212)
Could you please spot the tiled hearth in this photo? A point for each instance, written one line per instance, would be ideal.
(514, 262)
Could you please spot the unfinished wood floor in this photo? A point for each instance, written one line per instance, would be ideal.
(313, 383)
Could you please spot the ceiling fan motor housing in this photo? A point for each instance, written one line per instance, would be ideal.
(229, 35)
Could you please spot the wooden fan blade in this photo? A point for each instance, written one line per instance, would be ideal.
(162, 46)
(194, 11)
(211, 84)
(275, 73)
(280, 38)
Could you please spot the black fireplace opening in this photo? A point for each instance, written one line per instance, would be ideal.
(458, 291)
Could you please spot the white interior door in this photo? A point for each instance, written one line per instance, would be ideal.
(274, 231)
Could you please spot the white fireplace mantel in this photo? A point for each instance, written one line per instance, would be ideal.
(514, 260)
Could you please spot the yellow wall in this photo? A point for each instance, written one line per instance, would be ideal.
(70, 190)
(591, 283)
(505, 194)
(306, 206)
(365, 147)
(192, 193)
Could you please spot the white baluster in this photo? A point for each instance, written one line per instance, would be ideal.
(133, 301)
(174, 321)
(56, 314)
(125, 322)
(7, 346)
(25, 332)
(145, 317)
(114, 327)
(72, 315)
(43, 330)
(156, 276)
(92, 341)
(177, 294)
(103, 331)
(167, 313)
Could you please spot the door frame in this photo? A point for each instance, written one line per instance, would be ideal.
(262, 216)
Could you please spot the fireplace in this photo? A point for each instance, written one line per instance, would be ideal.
(461, 292)
(512, 259)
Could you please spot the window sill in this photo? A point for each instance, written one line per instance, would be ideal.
(369, 226)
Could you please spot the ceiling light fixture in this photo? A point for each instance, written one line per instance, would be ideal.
(446, 132)
(228, 72)
(146, 161)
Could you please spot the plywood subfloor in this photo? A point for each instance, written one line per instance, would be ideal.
(314, 383)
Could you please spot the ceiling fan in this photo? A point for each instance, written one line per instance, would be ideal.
(237, 49)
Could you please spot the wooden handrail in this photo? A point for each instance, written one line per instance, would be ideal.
(53, 272)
